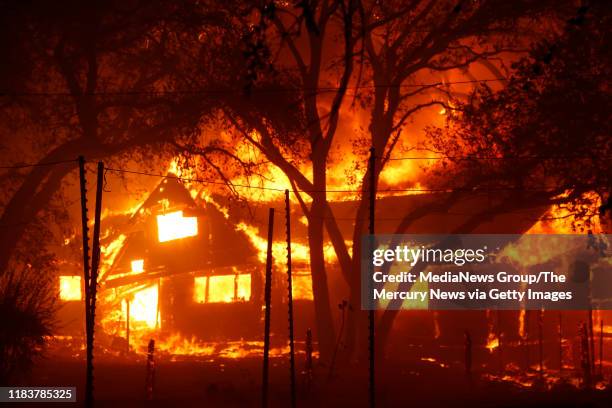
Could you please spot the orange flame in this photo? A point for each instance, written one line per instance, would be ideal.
(143, 308)
(492, 342)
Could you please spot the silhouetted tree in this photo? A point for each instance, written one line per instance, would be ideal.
(100, 79)
(550, 124)
(541, 141)
(377, 51)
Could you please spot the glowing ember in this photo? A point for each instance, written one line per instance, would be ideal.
(173, 226)
(521, 327)
(177, 345)
(70, 287)
(492, 342)
(434, 361)
(137, 265)
(437, 332)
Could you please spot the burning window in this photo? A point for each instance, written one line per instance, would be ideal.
(137, 265)
(70, 287)
(173, 226)
(222, 288)
(243, 287)
(199, 289)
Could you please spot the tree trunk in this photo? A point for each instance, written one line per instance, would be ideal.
(356, 333)
(30, 199)
(323, 317)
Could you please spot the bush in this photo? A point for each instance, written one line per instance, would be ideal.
(27, 307)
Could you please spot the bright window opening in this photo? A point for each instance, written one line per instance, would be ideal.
(70, 287)
(222, 288)
(199, 289)
(173, 226)
(243, 287)
(138, 265)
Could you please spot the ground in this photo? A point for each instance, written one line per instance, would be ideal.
(191, 382)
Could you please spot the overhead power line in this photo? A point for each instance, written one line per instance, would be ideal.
(389, 190)
(189, 179)
(484, 189)
(444, 157)
(42, 164)
(469, 157)
(255, 90)
(282, 190)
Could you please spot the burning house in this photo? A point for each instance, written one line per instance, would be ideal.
(184, 270)
(177, 262)
(177, 265)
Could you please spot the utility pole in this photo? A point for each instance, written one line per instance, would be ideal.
(127, 324)
(601, 337)
(90, 272)
(560, 343)
(267, 297)
(541, 340)
(86, 276)
(590, 331)
(500, 345)
(150, 378)
(95, 255)
(591, 335)
(585, 355)
(468, 354)
(371, 315)
(290, 300)
(525, 338)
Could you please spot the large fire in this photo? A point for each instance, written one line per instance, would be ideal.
(133, 311)
(143, 321)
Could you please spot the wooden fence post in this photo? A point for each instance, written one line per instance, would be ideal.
(267, 297)
(290, 301)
